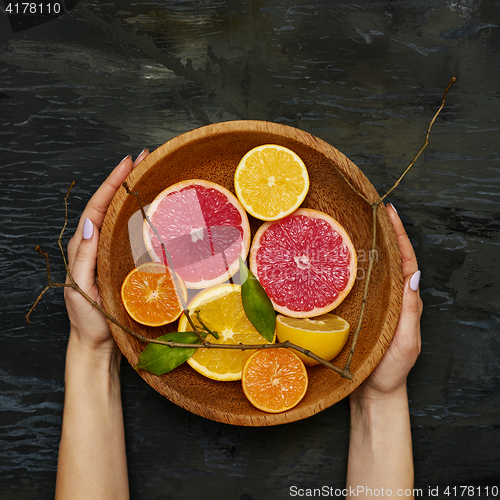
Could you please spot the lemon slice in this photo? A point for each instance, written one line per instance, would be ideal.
(221, 310)
(324, 335)
(271, 182)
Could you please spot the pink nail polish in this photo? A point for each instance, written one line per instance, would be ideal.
(128, 156)
(88, 229)
(415, 279)
(394, 208)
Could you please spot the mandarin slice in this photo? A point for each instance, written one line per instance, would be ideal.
(274, 380)
(150, 296)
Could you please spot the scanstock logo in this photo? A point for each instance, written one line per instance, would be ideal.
(26, 15)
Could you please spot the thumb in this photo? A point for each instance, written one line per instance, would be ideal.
(408, 330)
(412, 304)
(85, 261)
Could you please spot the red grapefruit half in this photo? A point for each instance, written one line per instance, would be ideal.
(203, 227)
(306, 262)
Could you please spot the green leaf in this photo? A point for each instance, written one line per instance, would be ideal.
(159, 359)
(258, 306)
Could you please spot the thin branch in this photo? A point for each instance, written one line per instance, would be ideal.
(345, 373)
(59, 240)
(349, 183)
(167, 258)
(426, 143)
(50, 284)
(365, 292)
(204, 344)
(49, 281)
(374, 207)
(246, 347)
(205, 327)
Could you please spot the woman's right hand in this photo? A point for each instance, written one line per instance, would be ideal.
(390, 375)
(380, 449)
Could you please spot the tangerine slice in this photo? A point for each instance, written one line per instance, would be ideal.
(149, 294)
(204, 228)
(274, 380)
(271, 182)
(221, 310)
(306, 262)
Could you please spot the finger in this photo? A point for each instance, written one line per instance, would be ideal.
(408, 258)
(84, 263)
(98, 204)
(141, 156)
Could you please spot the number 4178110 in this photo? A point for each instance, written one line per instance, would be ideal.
(33, 8)
(471, 491)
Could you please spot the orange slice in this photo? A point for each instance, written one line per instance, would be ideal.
(271, 182)
(149, 294)
(220, 308)
(274, 380)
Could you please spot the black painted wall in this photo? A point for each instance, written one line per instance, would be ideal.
(80, 92)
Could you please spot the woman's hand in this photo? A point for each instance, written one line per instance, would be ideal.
(92, 456)
(380, 449)
(87, 323)
(390, 374)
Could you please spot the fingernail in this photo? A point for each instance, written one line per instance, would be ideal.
(88, 229)
(414, 281)
(128, 156)
(393, 207)
(145, 150)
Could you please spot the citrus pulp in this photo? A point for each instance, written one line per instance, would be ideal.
(274, 380)
(221, 310)
(204, 229)
(150, 294)
(324, 335)
(271, 182)
(306, 262)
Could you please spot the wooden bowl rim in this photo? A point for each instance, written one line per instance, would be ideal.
(351, 172)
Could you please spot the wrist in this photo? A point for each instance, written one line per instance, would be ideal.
(83, 356)
(369, 403)
(380, 447)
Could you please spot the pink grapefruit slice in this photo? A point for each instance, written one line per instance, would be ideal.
(203, 227)
(306, 262)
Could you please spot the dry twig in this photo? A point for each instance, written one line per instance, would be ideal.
(345, 372)
(374, 207)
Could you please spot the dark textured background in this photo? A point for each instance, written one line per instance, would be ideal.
(80, 92)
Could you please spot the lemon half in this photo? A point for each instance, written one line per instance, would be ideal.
(220, 308)
(324, 335)
(271, 182)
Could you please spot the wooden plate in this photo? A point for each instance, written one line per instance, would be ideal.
(212, 153)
